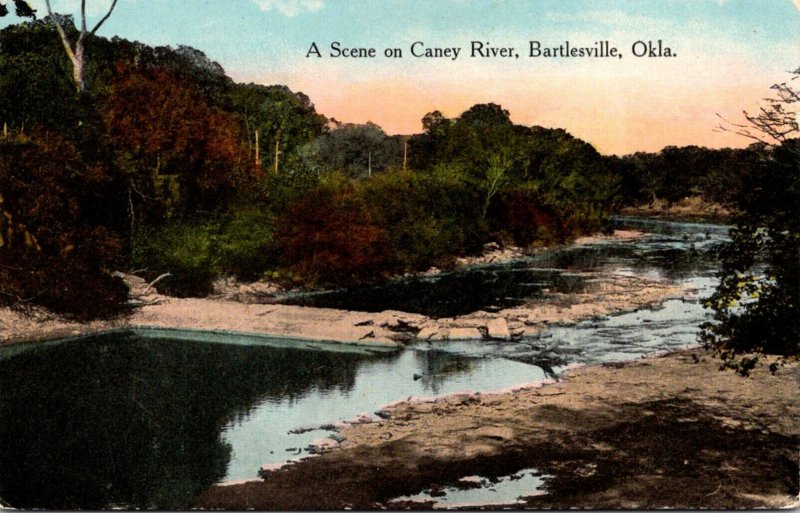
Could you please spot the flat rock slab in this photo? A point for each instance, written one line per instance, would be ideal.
(464, 334)
(498, 329)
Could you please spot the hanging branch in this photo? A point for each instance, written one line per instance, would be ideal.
(775, 122)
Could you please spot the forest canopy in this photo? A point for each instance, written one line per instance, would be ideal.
(164, 164)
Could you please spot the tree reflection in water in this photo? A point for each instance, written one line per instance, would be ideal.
(121, 420)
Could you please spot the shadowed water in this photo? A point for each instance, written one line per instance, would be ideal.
(149, 420)
(671, 250)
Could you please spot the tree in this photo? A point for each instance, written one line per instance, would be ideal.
(76, 51)
(284, 122)
(178, 153)
(496, 177)
(757, 303)
(358, 150)
(74, 46)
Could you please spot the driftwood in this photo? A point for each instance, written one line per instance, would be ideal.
(150, 285)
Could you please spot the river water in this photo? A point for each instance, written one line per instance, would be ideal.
(142, 419)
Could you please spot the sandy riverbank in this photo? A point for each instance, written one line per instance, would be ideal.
(605, 294)
(670, 431)
(689, 209)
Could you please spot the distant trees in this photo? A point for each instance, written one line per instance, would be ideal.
(566, 175)
(357, 150)
(675, 173)
(757, 303)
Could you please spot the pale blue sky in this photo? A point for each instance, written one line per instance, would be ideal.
(727, 49)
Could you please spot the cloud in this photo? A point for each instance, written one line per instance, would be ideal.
(290, 8)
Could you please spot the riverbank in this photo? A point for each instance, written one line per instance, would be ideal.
(668, 431)
(690, 209)
(605, 294)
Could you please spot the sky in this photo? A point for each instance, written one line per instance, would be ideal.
(727, 53)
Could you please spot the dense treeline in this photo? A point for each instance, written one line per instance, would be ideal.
(675, 173)
(166, 165)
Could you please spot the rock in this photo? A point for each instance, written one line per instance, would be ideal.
(322, 445)
(464, 334)
(427, 333)
(363, 418)
(471, 479)
(495, 433)
(498, 329)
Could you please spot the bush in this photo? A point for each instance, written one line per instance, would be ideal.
(522, 216)
(757, 304)
(195, 253)
(328, 237)
(53, 252)
(428, 218)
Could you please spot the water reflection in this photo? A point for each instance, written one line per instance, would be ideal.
(131, 421)
(120, 420)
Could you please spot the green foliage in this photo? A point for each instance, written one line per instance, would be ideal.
(675, 173)
(428, 218)
(757, 304)
(285, 121)
(357, 150)
(36, 89)
(195, 253)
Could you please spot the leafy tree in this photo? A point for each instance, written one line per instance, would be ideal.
(358, 150)
(35, 89)
(285, 122)
(757, 303)
(429, 218)
(72, 38)
(180, 154)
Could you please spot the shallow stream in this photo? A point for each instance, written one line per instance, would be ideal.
(142, 419)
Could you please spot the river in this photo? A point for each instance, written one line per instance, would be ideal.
(138, 420)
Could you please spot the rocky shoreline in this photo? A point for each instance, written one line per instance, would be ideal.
(233, 309)
(667, 431)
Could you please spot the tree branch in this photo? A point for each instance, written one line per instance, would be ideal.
(103, 20)
(83, 16)
(61, 33)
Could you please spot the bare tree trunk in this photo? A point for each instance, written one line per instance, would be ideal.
(75, 51)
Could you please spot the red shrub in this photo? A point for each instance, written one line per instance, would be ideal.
(328, 236)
